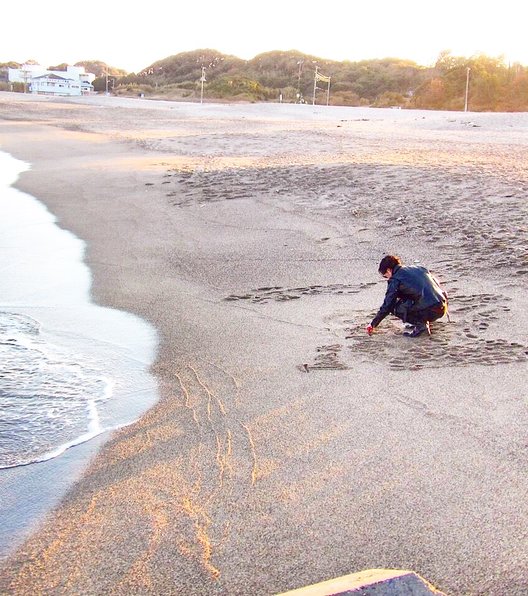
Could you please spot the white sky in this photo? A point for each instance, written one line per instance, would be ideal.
(133, 36)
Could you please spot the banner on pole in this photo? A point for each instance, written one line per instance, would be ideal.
(320, 77)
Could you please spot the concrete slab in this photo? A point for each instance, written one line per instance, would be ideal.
(371, 582)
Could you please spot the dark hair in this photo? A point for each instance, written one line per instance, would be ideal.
(388, 262)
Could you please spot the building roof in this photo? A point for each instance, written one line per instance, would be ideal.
(53, 76)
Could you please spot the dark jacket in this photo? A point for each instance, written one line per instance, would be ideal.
(410, 288)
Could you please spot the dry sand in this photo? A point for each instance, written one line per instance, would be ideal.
(249, 236)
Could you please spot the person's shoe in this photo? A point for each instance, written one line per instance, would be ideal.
(418, 330)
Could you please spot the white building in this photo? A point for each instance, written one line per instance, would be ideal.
(73, 81)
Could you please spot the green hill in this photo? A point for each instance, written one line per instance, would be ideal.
(289, 73)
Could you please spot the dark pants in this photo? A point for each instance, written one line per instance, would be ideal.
(405, 311)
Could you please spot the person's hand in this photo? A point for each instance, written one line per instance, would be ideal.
(369, 329)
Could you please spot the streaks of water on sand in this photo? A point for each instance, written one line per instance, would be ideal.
(225, 442)
(254, 470)
(172, 505)
(202, 523)
(212, 412)
(187, 400)
(193, 485)
(224, 436)
(210, 394)
(173, 488)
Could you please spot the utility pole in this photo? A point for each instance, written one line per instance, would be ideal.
(202, 81)
(467, 89)
(315, 85)
(300, 63)
(26, 75)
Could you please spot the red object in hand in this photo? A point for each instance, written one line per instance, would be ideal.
(370, 329)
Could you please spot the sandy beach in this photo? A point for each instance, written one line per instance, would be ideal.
(287, 446)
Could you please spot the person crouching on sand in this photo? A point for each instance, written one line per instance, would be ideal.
(413, 295)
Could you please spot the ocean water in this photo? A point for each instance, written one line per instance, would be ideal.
(70, 371)
(49, 397)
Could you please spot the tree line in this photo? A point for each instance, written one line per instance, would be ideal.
(491, 84)
(486, 83)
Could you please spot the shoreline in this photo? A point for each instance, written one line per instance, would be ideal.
(250, 243)
(46, 282)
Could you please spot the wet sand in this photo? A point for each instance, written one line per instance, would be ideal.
(288, 447)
